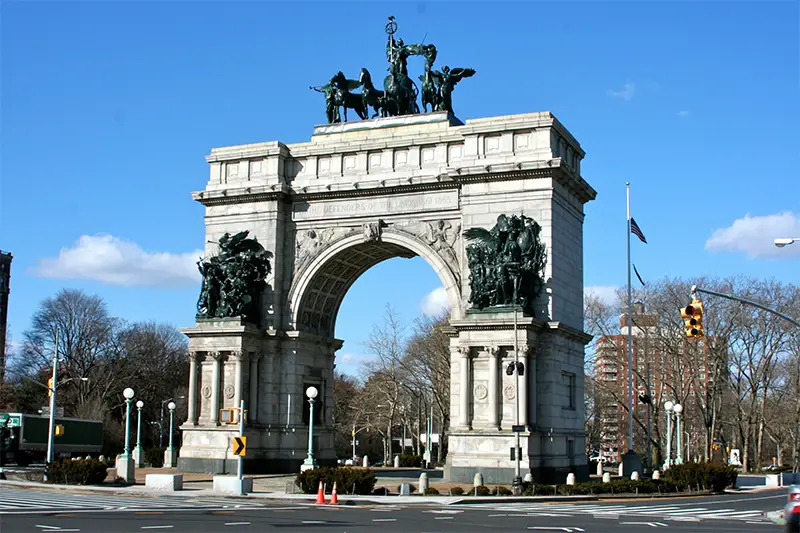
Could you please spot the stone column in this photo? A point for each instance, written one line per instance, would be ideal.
(252, 409)
(215, 370)
(494, 384)
(523, 386)
(192, 407)
(464, 388)
(238, 359)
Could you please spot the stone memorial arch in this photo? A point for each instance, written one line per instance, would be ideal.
(363, 192)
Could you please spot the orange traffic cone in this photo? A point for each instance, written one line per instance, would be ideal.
(320, 494)
(334, 499)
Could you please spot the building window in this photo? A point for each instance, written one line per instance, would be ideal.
(572, 388)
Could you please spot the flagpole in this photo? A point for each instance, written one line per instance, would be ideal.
(630, 327)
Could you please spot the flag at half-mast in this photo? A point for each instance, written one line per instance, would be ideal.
(637, 231)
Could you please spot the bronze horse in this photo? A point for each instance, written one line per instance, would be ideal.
(370, 95)
(342, 97)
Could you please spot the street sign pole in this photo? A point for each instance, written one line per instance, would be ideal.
(240, 467)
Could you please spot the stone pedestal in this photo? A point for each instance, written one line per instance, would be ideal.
(170, 457)
(164, 482)
(126, 468)
(232, 485)
(232, 360)
(138, 456)
(550, 408)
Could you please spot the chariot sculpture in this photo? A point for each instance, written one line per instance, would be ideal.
(400, 92)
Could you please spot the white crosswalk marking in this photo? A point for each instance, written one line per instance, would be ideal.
(676, 512)
(16, 501)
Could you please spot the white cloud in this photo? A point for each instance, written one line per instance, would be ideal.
(435, 303)
(683, 113)
(111, 260)
(755, 235)
(626, 93)
(606, 293)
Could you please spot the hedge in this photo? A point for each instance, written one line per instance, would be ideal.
(76, 472)
(154, 457)
(701, 476)
(348, 480)
(411, 461)
(456, 491)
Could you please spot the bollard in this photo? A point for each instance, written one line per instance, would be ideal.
(365, 462)
(607, 477)
(634, 476)
(599, 468)
(397, 461)
(423, 483)
(570, 479)
(656, 474)
(621, 471)
(477, 481)
(102, 458)
(527, 478)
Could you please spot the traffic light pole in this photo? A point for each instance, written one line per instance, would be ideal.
(695, 289)
(52, 425)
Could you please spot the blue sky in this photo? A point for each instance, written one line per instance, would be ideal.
(108, 109)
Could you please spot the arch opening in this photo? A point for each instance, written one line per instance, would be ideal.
(320, 289)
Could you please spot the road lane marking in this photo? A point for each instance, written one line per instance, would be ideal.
(384, 519)
(556, 528)
(442, 517)
(313, 522)
(48, 527)
(157, 527)
(237, 523)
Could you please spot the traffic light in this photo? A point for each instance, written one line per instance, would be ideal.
(49, 387)
(693, 319)
(520, 368)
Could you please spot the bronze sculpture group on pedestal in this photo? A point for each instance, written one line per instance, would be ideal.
(399, 94)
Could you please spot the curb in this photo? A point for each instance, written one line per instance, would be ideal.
(344, 499)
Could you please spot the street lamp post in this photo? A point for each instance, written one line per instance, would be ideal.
(310, 462)
(128, 394)
(780, 243)
(125, 463)
(169, 454)
(138, 453)
(668, 408)
(161, 422)
(678, 408)
(516, 483)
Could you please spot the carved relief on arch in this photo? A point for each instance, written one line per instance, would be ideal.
(442, 236)
(310, 242)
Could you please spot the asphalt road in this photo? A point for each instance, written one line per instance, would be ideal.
(596, 517)
(348, 519)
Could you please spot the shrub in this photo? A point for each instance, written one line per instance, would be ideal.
(80, 472)
(348, 480)
(457, 491)
(706, 476)
(155, 457)
(411, 461)
(504, 491)
(430, 491)
(482, 490)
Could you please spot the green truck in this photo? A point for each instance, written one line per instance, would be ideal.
(23, 438)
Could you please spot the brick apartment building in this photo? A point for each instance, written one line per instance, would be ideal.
(652, 363)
